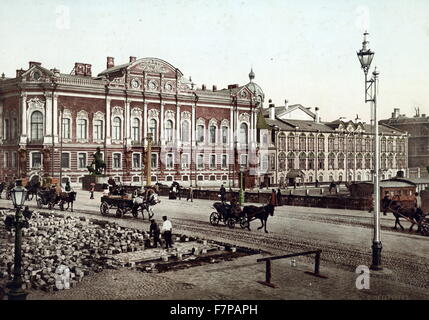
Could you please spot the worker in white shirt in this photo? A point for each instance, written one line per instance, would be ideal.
(166, 231)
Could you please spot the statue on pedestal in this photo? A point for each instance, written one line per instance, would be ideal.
(97, 165)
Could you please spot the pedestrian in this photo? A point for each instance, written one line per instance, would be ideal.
(190, 194)
(91, 191)
(317, 183)
(155, 232)
(294, 184)
(222, 193)
(279, 198)
(179, 191)
(166, 231)
(385, 202)
(68, 187)
(273, 198)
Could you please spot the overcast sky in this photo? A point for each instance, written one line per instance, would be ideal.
(303, 51)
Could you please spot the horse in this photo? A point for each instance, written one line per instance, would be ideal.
(32, 189)
(414, 215)
(261, 213)
(67, 197)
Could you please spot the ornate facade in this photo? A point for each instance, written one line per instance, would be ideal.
(295, 142)
(52, 123)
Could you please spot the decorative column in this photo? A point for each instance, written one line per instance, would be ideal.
(23, 107)
(145, 123)
(161, 125)
(1, 119)
(48, 118)
(108, 122)
(178, 125)
(127, 124)
(55, 109)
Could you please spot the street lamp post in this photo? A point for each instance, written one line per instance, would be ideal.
(17, 222)
(365, 56)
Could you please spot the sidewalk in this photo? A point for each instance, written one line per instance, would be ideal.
(235, 279)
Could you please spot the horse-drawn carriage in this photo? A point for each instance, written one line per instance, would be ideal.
(50, 198)
(125, 204)
(230, 214)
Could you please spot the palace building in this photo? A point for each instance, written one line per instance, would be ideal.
(296, 146)
(52, 123)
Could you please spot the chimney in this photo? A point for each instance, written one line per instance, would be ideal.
(357, 119)
(272, 110)
(317, 117)
(56, 72)
(88, 71)
(232, 86)
(32, 63)
(286, 102)
(133, 59)
(19, 73)
(79, 69)
(395, 113)
(203, 87)
(214, 88)
(110, 62)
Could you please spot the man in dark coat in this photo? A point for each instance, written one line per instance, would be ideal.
(222, 193)
(279, 197)
(273, 198)
(155, 232)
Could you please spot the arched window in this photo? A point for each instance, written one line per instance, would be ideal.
(212, 130)
(81, 128)
(321, 161)
(291, 142)
(383, 144)
(331, 161)
(302, 161)
(116, 134)
(321, 143)
(311, 161)
(282, 161)
(302, 142)
(359, 159)
(200, 133)
(169, 130)
(341, 161)
(291, 160)
(36, 125)
(350, 144)
(185, 131)
(244, 135)
(359, 144)
(225, 133)
(153, 129)
(368, 161)
(367, 144)
(282, 141)
(136, 129)
(350, 161)
(310, 142)
(331, 143)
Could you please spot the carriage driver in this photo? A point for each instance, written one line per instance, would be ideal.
(386, 202)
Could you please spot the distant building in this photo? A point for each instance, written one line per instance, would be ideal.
(302, 148)
(418, 140)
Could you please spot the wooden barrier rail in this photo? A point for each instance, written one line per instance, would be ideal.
(268, 260)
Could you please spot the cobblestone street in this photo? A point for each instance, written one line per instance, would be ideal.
(344, 237)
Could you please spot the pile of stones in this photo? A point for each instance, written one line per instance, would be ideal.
(58, 251)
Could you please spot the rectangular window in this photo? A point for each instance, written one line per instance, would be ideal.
(66, 128)
(14, 128)
(116, 160)
(6, 129)
(14, 159)
(169, 161)
(273, 162)
(36, 160)
(264, 162)
(200, 161)
(224, 161)
(65, 160)
(154, 160)
(81, 160)
(136, 160)
(185, 161)
(212, 161)
(243, 160)
(98, 130)
(81, 128)
(5, 159)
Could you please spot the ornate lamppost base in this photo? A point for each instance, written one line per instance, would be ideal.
(376, 256)
(16, 292)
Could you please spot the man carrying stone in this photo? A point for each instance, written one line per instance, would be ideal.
(166, 231)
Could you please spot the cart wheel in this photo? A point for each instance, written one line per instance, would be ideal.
(214, 219)
(244, 223)
(39, 203)
(119, 213)
(104, 209)
(231, 223)
(424, 229)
